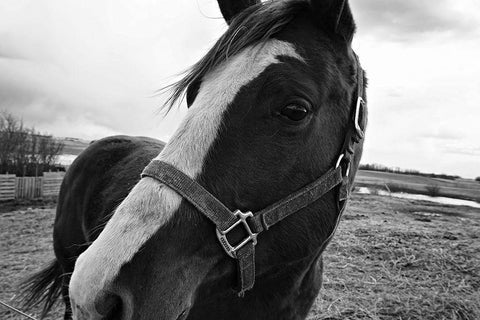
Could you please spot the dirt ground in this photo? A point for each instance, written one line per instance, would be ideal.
(390, 259)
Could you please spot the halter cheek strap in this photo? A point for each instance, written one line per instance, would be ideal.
(255, 223)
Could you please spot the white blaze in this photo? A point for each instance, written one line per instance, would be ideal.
(151, 204)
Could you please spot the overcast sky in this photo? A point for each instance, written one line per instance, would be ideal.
(89, 69)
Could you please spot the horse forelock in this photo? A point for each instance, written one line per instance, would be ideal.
(255, 25)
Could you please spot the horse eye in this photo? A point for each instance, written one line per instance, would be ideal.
(294, 112)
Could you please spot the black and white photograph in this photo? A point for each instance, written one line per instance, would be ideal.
(239, 160)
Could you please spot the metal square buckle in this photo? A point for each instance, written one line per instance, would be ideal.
(222, 235)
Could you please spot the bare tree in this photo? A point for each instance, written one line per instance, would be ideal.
(24, 151)
(49, 149)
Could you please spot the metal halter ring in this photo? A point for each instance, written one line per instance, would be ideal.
(231, 250)
(339, 162)
(359, 108)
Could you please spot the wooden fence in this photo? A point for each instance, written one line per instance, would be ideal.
(29, 188)
(8, 185)
(51, 183)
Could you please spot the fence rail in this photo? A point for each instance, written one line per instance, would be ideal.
(30, 188)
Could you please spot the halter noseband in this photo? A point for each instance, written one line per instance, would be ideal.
(226, 220)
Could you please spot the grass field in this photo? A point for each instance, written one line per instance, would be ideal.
(460, 188)
(390, 259)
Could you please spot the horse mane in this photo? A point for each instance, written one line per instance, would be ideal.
(254, 25)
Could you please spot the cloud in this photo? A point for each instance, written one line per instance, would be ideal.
(444, 133)
(97, 69)
(413, 20)
(89, 68)
(463, 149)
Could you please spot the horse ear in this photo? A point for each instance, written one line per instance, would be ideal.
(231, 8)
(336, 16)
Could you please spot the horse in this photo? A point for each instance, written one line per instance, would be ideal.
(187, 230)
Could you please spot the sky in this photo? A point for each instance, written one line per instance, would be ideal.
(91, 68)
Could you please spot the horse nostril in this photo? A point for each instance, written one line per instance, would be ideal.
(109, 306)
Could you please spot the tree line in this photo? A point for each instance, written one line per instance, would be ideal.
(23, 150)
(382, 168)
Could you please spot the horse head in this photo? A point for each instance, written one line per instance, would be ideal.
(269, 107)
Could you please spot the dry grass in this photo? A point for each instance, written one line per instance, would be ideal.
(394, 259)
(461, 188)
(25, 246)
(391, 259)
(433, 190)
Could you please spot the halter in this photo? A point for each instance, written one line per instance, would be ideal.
(255, 223)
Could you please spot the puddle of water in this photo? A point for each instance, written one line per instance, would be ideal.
(442, 200)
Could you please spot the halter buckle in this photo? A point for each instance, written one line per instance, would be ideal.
(230, 249)
(359, 108)
(339, 162)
